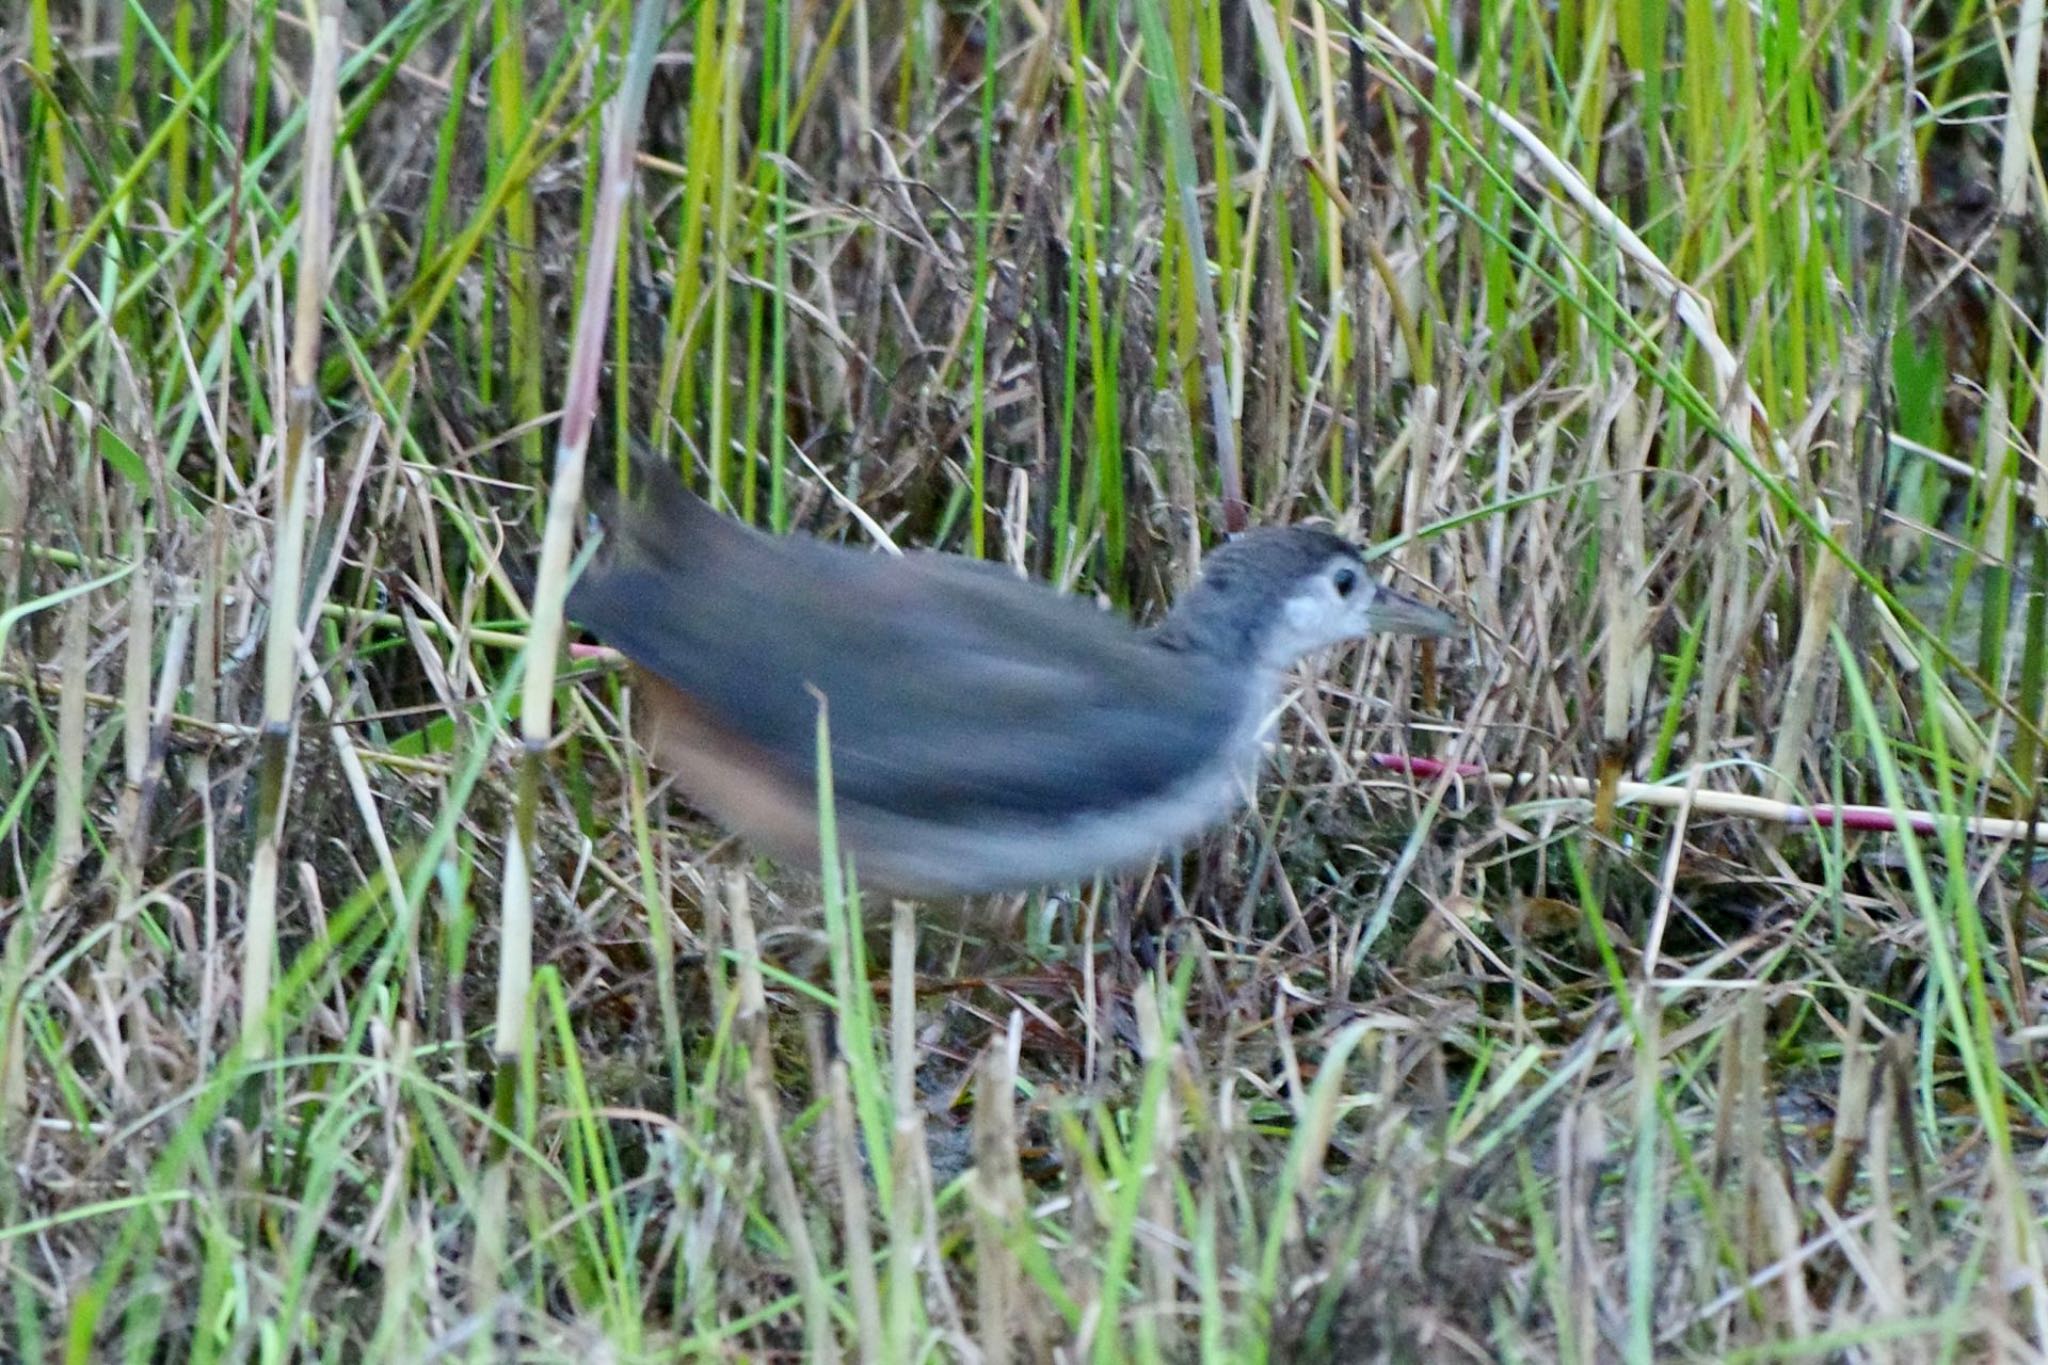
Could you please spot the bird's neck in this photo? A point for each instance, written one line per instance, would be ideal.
(1203, 624)
(1207, 641)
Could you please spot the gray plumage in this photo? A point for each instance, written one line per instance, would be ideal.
(987, 732)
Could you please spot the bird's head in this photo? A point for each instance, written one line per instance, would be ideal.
(1272, 597)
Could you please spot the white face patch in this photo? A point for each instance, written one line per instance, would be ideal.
(1316, 615)
(1305, 614)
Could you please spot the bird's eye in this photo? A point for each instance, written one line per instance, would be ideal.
(1345, 581)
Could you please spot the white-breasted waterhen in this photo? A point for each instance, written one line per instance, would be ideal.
(987, 733)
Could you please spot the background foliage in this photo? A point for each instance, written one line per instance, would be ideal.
(1693, 350)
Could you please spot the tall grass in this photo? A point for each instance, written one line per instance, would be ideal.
(1693, 351)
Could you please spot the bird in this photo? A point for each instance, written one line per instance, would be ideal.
(987, 733)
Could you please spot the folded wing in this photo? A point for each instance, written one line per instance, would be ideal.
(956, 693)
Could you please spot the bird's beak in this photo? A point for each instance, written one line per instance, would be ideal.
(1396, 613)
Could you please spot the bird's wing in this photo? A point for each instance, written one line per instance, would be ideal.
(1006, 696)
(953, 691)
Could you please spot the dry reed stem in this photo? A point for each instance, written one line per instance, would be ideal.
(67, 837)
(1824, 589)
(820, 1343)
(565, 501)
(1666, 796)
(297, 462)
(997, 1190)
(859, 1242)
(1216, 378)
(1159, 1304)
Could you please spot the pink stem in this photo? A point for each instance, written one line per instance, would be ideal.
(1874, 818)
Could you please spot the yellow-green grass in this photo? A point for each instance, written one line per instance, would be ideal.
(1693, 351)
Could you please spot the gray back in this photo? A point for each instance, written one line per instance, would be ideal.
(954, 688)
